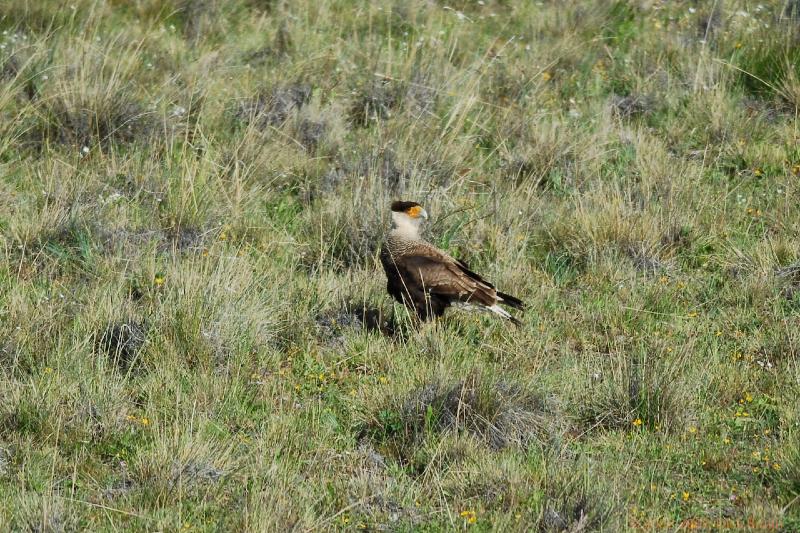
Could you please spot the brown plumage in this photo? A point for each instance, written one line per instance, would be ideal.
(426, 279)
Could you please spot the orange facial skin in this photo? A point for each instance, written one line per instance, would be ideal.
(414, 212)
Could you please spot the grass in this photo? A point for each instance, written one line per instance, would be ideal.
(195, 333)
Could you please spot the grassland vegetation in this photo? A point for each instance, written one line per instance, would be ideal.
(194, 331)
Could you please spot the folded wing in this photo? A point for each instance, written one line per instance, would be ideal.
(428, 280)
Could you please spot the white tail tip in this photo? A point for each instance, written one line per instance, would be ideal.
(496, 309)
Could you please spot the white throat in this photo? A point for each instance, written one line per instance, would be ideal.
(405, 226)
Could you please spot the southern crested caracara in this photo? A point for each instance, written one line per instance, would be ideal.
(427, 280)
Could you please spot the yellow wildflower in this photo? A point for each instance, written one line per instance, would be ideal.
(685, 496)
(637, 422)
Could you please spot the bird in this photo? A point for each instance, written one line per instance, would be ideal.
(427, 280)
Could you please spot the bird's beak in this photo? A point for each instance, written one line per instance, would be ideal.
(423, 214)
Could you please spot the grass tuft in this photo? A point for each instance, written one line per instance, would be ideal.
(637, 388)
(122, 343)
(573, 502)
(275, 107)
(375, 101)
(497, 413)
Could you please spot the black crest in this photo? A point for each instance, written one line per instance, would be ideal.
(401, 206)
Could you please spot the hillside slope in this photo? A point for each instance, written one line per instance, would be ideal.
(195, 333)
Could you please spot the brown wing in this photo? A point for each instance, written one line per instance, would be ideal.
(444, 278)
(499, 297)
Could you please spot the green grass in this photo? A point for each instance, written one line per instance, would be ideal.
(195, 333)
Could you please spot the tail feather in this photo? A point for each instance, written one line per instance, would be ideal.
(496, 309)
(511, 301)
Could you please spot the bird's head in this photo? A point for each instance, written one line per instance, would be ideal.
(408, 216)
